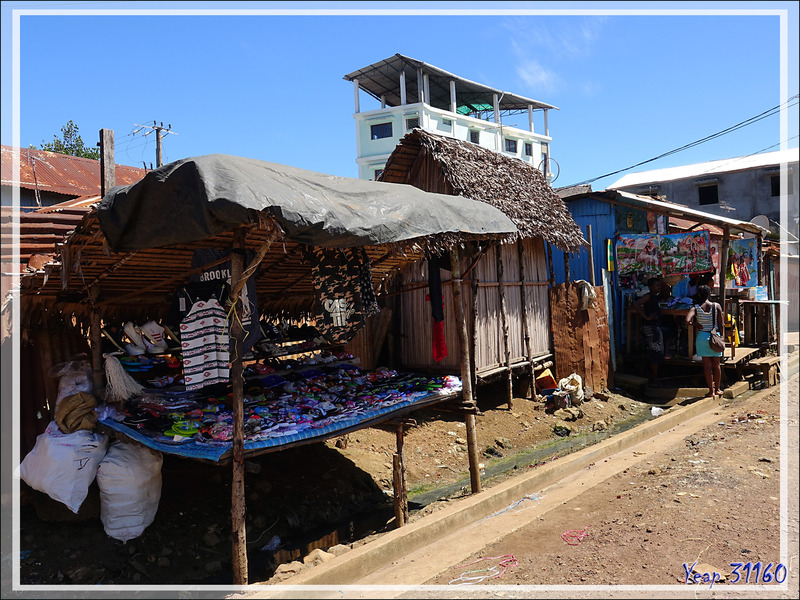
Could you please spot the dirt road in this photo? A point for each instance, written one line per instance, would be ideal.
(686, 506)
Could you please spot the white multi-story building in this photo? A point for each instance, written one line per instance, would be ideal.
(413, 94)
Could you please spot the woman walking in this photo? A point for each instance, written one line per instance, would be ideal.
(706, 316)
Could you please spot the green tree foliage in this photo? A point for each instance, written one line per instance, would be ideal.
(70, 143)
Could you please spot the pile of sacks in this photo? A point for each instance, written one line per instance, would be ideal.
(70, 454)
(568, 393)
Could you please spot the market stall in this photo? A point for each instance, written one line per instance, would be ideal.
(317, 248)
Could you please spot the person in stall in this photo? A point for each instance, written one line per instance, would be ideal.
(658, 338)
(707, 315)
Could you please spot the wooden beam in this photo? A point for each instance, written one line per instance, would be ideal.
(238, 502)
(399, 479)
(504, 325)
(591, 253)
(466, 378)
(474, 364)
(526, 331)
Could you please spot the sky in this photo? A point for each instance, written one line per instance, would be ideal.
(631, 80)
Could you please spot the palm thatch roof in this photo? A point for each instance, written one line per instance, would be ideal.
(445, 165)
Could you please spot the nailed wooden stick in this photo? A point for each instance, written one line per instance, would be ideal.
(526, 332)
(501, 288)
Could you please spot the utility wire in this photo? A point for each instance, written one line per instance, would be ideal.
(746, 122)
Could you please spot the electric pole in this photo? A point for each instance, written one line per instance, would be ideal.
(158, 128)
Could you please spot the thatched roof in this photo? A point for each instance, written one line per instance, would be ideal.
(509, 184)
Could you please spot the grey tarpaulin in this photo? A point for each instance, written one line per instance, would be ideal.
(195, 198)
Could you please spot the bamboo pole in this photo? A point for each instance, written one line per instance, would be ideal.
(466, 379)
(238, 503)
(501, 289)
(526, 332)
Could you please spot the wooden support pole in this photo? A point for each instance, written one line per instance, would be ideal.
(399, 480)
(550, 263)
(501, 290)
(238, 503)
(96, 340)
(723, 267)
(466, 379)
(107, 167)
(591, 254)
(566, 268)
(475, 285)
(526, 331)
(760, 259)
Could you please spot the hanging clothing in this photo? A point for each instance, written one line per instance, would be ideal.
(337, 276)
(204, 344)
(435, 263)
(219, 277)
(368, 298)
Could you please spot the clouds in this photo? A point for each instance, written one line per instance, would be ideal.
(553, 41)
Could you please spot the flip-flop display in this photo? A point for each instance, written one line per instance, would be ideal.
(280, 405)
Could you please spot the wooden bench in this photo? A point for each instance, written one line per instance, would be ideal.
(770, 368)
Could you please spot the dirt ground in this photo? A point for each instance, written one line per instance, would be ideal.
(315, 496)
(712, 500)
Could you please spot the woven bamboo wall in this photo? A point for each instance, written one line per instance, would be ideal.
(417, 324)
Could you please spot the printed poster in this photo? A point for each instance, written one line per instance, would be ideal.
(638, 253)
(683, 253)
(742, 263)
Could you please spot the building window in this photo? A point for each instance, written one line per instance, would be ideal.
(474, 136)
(528, 149)
(775, 185)
(447, 122)
(708, 194)
(380, 131)
(511, 146)
(378, 173)
(412, 123)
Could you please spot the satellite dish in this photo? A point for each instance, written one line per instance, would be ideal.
(761, 220)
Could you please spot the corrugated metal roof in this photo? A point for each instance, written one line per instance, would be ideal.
(728, 165)
(60, 173)
(383, 79)
(40, 231)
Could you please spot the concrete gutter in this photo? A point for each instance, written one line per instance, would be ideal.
(396, 544)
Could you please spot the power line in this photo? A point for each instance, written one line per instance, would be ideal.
(159, 136)
(746, 122)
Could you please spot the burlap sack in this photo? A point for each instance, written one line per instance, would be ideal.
(77, 412)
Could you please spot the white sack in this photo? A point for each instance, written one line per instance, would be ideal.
(574, 385)
(129, 478)
(63, 465)
(74, 376)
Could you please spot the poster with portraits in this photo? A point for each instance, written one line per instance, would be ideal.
(743, 263)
